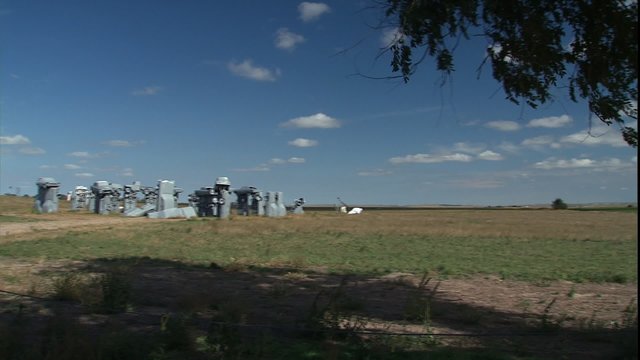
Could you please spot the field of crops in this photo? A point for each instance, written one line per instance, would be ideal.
(339, 286)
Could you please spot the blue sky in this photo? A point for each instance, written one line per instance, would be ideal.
(278, 95)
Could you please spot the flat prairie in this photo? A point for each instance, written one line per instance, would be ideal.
(520, 283)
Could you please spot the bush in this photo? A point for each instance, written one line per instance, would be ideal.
(116, 291)
(558, 204)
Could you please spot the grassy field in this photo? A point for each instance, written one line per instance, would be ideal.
(531, 246)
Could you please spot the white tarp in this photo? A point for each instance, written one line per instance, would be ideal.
(355, 211)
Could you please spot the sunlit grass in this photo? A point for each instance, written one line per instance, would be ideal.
(373, 244)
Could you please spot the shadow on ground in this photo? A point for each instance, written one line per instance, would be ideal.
(156, 309)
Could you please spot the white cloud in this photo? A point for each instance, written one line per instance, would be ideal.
(46, 167)
(287, 40)
(551, 121)
(296, 160)
(490, 155)
(503, 125)
(147, 91)
(318, 120)
(376, 172)
(14, 140)
(598, 165)
(553, 163)
(474, 150)
(248, 70)
(468, 148)
(390, 37)
(72, 166)
(32, 151)
(430, 159)
(310, 11)
(302, 142)
(84, 174)
(600, 134)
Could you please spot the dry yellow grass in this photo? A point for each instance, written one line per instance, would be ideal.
(515, 223)
(556, 224)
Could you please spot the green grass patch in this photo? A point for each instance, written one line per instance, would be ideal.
(194, 242)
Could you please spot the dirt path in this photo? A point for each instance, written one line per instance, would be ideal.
(35, 223)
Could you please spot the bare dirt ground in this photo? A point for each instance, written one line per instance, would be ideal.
(504, 315)
(552, 315)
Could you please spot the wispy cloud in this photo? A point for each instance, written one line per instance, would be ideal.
(84, 174)
(318, 120)
(32, 151)
(80, 154)
(287, 40)
(72, 166)
(508, 147)
(291, 160)
(259, 168)
(14, 140)
(123, 143)
(551, 122)
(147, 91)
(127, 172)
(476, 183)
(468, 148)
(310, 11)
(85, 154)
(375, 172)
(303, 143)
(247, 70)
(119, 143)
(430, 159)
(277, 161)
(503, 125)
(270, 163)
(541, 142)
